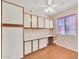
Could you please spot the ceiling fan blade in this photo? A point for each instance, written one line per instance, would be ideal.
(51, 9)
(49, 2)
(54, 5)
(44, 6)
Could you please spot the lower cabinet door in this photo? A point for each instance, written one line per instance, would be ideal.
(35, 45)
(43, 43)
(27, 47)
(12, 43)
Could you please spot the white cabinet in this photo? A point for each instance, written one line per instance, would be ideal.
(51, 23)
(12, 37)
(43, 43)
(28, 47)
(27, 21)
(46, 23)
(41, 22)
(34, 21)
(11, 14)
(12, 43)
(35, 45)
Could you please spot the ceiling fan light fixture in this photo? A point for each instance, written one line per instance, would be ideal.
(50, 9)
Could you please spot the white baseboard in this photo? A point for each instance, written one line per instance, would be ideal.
(67, 47)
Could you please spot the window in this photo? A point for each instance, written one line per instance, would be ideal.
(67, 25)
(61, 26)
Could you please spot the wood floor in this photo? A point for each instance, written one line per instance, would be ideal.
(53, 52)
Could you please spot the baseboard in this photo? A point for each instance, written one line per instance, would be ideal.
(66, 48)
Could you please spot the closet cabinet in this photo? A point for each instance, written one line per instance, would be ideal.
(12, 14)
(12, 31)
(41, 22)
(51, 24)
(47, 23)
(27, 21)
(34, 21)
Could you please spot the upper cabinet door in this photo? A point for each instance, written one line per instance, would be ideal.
(51, 23)
(12, 14)
(40, 22)
(27, 21)
(46, 23)
(34, 21)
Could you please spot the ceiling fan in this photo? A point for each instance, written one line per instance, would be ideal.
(50, 6)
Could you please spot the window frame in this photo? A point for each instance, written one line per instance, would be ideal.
(65, 24)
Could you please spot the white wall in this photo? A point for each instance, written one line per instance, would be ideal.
(69, 42)
(30, 34)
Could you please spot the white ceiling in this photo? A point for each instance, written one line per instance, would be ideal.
(34, 5)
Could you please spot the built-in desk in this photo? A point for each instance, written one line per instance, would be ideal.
(37, 44)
